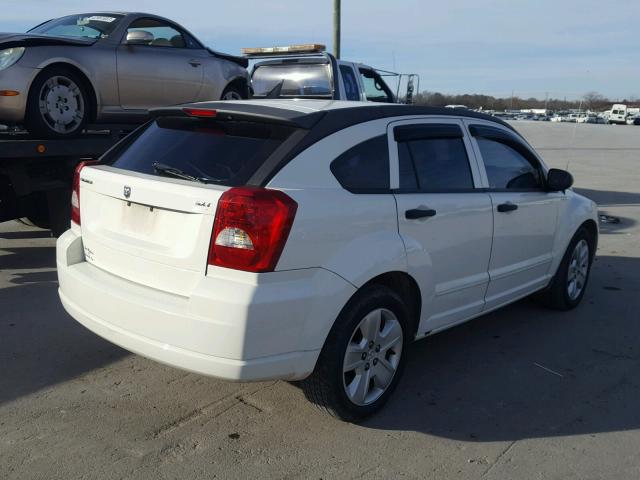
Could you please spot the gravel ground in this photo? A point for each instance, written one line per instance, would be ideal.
(520, 393)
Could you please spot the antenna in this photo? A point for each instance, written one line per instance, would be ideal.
(337, 11)
(573, 138)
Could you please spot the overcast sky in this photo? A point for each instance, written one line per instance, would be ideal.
(564, 47)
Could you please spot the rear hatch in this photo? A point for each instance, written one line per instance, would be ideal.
(148, 209)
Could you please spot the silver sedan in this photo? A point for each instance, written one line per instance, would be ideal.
(108, 67)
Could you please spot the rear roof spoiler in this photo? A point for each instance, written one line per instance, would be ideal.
(225, 111)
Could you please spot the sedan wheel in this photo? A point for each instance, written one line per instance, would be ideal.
(61, 104)
(372, 357)
(232, 95)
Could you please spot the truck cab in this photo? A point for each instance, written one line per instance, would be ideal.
(308, 71)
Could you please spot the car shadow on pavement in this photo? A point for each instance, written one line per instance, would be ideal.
(24, 258)
(610, 198)
(40, 345)
(525, 371)
(26, 234)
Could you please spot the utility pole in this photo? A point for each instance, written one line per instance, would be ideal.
(336, 28)
(546, 100)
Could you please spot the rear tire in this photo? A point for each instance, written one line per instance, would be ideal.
(232, 93)
(570, 281)
(355, 375)
(58, 105)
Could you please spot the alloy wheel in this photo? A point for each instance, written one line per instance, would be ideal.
(61, 104)
(372, 357)
(578, 269)
(232, 95)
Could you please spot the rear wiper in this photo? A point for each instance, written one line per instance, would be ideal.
(176, 172)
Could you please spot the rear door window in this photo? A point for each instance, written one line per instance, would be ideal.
(219, 152)
(365, 167)
(433, 158)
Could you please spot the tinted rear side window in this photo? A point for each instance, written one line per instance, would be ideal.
(224, 153)
(365, 167)
(434, 164)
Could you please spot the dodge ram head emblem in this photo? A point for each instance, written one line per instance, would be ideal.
(127, 191)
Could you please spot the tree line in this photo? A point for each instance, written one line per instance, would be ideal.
(590, 101)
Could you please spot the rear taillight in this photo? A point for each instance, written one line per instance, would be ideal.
(75, 195)
(251, 228)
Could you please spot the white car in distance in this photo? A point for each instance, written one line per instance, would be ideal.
(315, 240)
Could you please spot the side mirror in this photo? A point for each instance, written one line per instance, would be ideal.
(139, 37)
(558, 180)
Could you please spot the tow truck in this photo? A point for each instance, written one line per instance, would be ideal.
(309, 71)
(36, 175)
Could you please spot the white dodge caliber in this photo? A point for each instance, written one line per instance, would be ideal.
(314, 240)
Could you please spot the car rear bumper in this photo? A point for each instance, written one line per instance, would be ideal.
(289, 366)
(15, 78)
(242, 327)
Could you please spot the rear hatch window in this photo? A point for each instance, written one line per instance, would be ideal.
(205, 150)
(298, 80)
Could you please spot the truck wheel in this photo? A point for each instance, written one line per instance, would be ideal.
(363, 357)
(58, 104)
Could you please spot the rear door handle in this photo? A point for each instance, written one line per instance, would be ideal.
(416, 213)
(194, 63)
(507, 207)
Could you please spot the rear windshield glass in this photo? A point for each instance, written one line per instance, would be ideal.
(300, 80)
(90, 25)
(223, 153)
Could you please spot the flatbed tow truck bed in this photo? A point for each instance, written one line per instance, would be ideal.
(36, 174)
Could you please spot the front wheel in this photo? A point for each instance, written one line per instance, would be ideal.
(58, 104)
(363, 358)
(570, 281)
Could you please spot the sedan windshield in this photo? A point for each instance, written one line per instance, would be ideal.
(88, 25)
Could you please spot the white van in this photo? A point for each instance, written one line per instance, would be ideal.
(618, 114)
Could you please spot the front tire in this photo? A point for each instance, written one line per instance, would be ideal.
(570, 281)
(363, 357)
(58, 104)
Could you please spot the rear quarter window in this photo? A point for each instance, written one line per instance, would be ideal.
(365, 167)
(222, 152)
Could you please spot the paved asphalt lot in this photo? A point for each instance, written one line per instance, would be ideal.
(521, 393)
